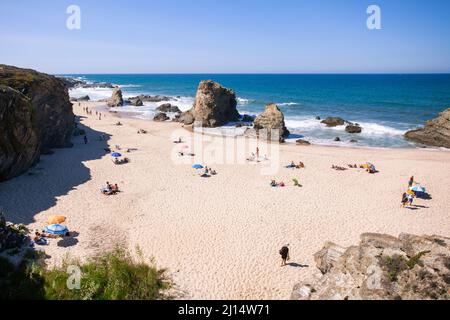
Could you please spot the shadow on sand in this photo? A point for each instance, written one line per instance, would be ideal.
(54, 176)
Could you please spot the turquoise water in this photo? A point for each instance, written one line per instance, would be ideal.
(385, 105)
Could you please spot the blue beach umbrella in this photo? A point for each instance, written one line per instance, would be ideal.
(197, 166)
(418, 189)
(116, 155)
(56, 229)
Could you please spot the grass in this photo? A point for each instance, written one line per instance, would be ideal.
(397, 264)
(111, 276)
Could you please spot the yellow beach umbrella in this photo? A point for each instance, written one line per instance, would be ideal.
(56, 220)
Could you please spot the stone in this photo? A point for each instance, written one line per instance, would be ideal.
(136, 102)
(353, 128)
(187, 118)
(116, 99)
(81, 99)
(353, 141)
(214, 105)
(270, 124)
(302, 142)
(436, 132)
(337, 139)
(167, 107)
(381, 267)
(161, 117)
(247, 118)
(333, 121)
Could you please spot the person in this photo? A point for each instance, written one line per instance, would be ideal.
(404, 200)
(301, 165)
(273, 183)
(410, 199)
(411, 182)
(213, 172)
(257, 153)
(284, 252)
(85, 139)
(292, 165)
(115, 188)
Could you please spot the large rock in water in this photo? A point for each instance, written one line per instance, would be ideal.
(214, 105)
(116, 99)
(436, 132)
(19, 141)
(270, 124)
(381, 267)
(333, 121)
(52, 111)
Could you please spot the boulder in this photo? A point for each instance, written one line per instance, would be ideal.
(353, 128)
(337, 139)
(161, 117)
(214, 105)
(84, 98)
(270, 124)
(247, 118)
(137, 102)
(381, 267)
(147, 98)
(19, 139)
(333, 121)
(116, 99)
(51, 107)
(167, 107)
(318, 118)
(302, 142)
(12, 236)
(186, 117)
(436, 132)
(353, 141)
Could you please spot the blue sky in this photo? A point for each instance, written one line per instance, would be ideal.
(226, 36)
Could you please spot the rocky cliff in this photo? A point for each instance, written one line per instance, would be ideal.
(436, 132)
(381, 267)
(269, 125)
(116, 99)
(214, 106)
(35, 115)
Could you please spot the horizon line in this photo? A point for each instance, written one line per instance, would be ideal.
(257, 73)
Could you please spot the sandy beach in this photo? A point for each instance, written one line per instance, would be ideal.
(219, 237)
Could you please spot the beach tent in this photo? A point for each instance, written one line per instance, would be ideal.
(56, 229)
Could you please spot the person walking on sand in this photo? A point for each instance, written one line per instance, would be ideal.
(284, 252)
(404, 200)
(411, 182)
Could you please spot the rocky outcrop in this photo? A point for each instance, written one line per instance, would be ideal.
(353, 128)
(19, 140)
(167, 107)
(147, 98)
(186, 117)
(302, 142)
(161, 117)
(436, 132)
(333, 121)
(136, 102)
(116, 99)
(84, 98)
(52, 111)
(214, 105)
(12, 236)
(270, 124)
(381, 267)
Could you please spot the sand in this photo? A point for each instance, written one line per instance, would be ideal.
(219, 237)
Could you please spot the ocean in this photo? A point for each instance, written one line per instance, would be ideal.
(386, 106)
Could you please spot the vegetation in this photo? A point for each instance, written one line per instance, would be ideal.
(397, 264)
(111, 276)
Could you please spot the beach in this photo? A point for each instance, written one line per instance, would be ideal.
(219, 237)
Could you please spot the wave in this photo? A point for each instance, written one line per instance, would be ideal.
(286, 104)
(243, 101)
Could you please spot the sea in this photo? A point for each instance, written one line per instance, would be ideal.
(385, 105)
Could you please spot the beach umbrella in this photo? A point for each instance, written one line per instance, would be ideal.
(56, 219)
(418, 189)
(56, 229)
(197, 166)
(116, 155)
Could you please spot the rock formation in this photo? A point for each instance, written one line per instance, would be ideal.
(270, 124)
(381, 267)
(301, 142)
(214, 105)
(186, 117)
(436, 132)
(84, 98)
(50, 111)
(353, 128)
(167, 107)
(116, 99)
(19, 141)
(161, 117)
(333, 121)
(137, 102)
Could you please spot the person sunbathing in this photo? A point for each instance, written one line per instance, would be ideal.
(273, 183)
(213, 172)
(301, 165)
(292, 165)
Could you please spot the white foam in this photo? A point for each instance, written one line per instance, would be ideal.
(93, 93)
(287, 104)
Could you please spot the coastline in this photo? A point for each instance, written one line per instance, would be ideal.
(215, 242)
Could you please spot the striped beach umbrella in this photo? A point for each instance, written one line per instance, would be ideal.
(57, 229)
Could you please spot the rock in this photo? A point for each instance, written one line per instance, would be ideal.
(270, 124)
(84, 98)
(116, 99)
(436, 132)
(333, 121)
(302, 142)
(52, 114)
(12, 236)
(353, 128)
(137, 102)
(318, 118)
(239, 125)
(167, 107)
(337, 139)
(161, 117)
(187, 118)
(19, 141)
(381, 267)
(214, 105)
(353, 141)
(247, 118)
(147, 98)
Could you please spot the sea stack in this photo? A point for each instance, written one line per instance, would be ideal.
(35, 116)
(214, 106)
(436, 132)
(116, 99)
(270, 125)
